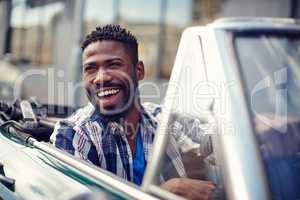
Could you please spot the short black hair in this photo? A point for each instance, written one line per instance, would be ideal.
(115, 33)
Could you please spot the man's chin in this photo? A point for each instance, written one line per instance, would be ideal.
(115, 108)
(113, 112)
(113, 115)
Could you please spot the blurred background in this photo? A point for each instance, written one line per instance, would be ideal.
(40, 52)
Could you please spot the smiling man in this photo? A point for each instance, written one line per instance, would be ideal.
(115, 131)
(111, 72)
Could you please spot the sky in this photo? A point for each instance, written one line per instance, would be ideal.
(178, 11)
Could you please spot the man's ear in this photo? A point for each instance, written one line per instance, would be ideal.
(140, 70)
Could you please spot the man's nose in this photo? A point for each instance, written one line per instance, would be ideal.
(102, 76)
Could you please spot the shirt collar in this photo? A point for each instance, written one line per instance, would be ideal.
(147, 118)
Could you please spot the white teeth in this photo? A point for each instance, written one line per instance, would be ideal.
(108, 92)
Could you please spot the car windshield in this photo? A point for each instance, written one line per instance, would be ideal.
(189, 148)
(270, 65)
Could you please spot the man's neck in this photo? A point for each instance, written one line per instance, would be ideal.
(131, 126)
(131, 122)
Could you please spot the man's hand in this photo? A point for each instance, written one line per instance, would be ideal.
(190, 188)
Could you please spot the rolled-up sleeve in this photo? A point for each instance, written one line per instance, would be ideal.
(62, 136)
(66, 138)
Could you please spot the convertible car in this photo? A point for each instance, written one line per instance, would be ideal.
(239, 78)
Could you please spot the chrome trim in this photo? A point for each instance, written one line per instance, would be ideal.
(121, 188)
(163, 193)
(245, 20)
(255, 23)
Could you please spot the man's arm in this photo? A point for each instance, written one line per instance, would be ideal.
(190, 188)
(186, 187)
(62, 136)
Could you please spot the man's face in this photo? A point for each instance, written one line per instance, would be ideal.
(111, 77)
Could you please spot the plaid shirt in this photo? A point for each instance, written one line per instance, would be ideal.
(87, 136)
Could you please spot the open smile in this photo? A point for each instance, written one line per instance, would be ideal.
(106, 92)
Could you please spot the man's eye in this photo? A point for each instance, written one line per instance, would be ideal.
(114, 65)
(89, 69)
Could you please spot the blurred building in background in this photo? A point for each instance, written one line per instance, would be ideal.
(41, 38)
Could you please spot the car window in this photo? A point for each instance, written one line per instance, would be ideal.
(270, 65)
(190, 125)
